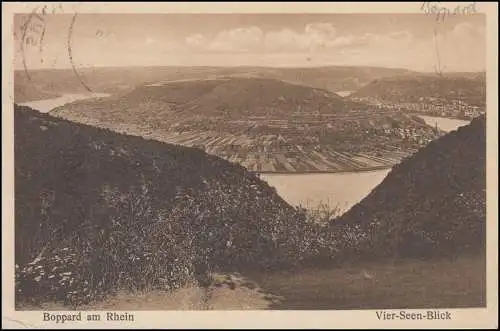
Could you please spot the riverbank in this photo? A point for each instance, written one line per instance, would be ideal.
(330, 171)
(458, 118)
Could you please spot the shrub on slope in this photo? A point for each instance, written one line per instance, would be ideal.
(96, 210)
(431, 204)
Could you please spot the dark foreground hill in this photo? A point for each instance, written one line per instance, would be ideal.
(432, 204)
(97, 210)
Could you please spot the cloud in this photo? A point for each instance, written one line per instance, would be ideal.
(314, 38)
(320, 34)
(326, 30)
(240, 39)
(464, 29)
(286, 41)
(461, 47)
(464, 46)
(196, 40)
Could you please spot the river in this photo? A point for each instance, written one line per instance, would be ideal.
(344, 94)
(339, 190)
(47, 105)
(444, 123)
(336, 190)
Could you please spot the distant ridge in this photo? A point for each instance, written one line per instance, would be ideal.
(468, 87)
(122, 79)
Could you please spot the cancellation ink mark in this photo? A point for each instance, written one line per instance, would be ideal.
(41, 43)
(33, 32)
(31, 38)
(438, 68)
(70, 53)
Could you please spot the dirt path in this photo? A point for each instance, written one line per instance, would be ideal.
(228, 292)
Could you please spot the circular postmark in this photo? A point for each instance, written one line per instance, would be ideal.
(32, 35)
(32, 32)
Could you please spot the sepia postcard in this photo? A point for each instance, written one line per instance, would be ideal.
(250, 165)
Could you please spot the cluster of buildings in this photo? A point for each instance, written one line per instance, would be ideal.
(411, 134)
(449, 108)
(429, 106)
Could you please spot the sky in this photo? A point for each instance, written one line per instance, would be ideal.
(412, 41)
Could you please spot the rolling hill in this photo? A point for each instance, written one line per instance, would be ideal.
(267, 125)
(96, 210)
(232, 97)
(467, 87)
(163, 105)
(254, 97)
(24, 90)
(432, 204)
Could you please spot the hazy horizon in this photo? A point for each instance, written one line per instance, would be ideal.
(405, 41)
(248, 66)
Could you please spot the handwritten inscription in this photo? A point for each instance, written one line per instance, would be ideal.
(444, 10)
